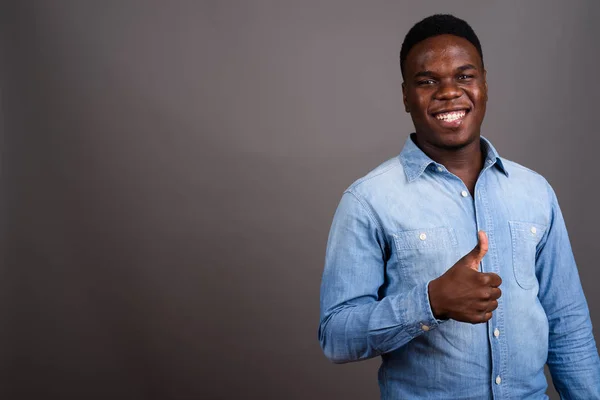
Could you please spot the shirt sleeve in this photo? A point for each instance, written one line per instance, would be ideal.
(572, 355)
(355, 322)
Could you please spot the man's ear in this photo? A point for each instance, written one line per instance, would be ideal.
(485, 84)
(404, 99)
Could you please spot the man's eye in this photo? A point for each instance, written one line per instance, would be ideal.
(426, 82)
(465, 77)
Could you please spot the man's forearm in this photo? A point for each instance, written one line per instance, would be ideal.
(352, 332)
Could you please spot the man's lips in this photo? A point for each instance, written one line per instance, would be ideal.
(446, 111)
(451, 118)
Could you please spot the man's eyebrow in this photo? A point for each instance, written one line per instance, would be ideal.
(424, 73)
(465, 67)
(431, 73)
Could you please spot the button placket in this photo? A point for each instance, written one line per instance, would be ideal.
(498, 349)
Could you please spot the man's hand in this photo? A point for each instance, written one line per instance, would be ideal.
(463, 293)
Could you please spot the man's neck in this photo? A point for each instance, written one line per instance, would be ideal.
(465, 162)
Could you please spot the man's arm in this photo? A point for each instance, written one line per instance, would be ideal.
(572, 354)
(355, 323)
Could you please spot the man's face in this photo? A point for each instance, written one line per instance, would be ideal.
(445, 91)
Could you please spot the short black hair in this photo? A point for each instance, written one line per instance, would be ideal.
(438, 24)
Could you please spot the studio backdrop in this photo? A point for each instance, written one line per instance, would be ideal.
(170, 169)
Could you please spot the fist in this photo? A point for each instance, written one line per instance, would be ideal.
(463, 293)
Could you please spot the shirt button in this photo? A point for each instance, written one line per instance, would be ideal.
(464, 193)
(533, 230)
(498, 380)
(440, 169)
(425, 328)
(489, 161)
(422, 236)
(496, 332)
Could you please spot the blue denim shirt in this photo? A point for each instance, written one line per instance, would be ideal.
(406, 223)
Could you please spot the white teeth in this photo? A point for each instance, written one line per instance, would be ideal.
(451, 116)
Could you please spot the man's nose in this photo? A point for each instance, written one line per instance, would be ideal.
(447, 91)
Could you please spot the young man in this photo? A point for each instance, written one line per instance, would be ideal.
(450, 262)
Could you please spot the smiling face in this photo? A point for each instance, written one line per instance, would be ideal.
(445, 91)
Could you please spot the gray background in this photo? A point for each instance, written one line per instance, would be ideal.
(170, 171)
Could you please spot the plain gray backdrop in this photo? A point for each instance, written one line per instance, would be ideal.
(170, 170)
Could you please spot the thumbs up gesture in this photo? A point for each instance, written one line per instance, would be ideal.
(463, 293)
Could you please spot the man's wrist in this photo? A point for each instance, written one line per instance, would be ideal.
(436, 307)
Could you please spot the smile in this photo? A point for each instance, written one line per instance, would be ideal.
(451, 116)
(451, 119)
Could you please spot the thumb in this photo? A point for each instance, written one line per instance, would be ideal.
(479, 251)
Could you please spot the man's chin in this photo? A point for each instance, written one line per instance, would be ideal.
(454, 145)
(457, 139)
(453, 140)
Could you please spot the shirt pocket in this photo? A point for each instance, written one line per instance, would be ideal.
(525, 237)
(425, 254)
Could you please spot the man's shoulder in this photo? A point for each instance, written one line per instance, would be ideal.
(520, 173)
(379, 177)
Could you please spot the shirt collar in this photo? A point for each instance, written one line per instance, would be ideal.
(415, 161)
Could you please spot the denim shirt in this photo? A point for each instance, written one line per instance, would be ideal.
(410, 220)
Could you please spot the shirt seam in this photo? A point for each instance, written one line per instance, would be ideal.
(367, 209)
(394, 164)
(515, 164)
(552, 202)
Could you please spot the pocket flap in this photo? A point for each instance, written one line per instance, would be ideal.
(426, 238)
(527, 230)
